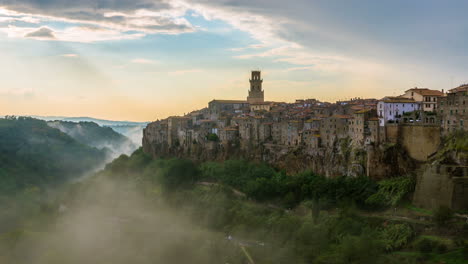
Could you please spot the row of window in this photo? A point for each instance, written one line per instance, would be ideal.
(451, 111)
(396, 106)
(452, 103)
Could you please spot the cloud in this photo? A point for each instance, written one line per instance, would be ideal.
(84, 34)
(143, 61)
(118, 17)
(41, 33)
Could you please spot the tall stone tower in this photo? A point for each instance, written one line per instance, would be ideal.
(255, 92)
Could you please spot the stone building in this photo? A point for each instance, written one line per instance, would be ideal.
(263, 106)
(358, 126)
(277, 132)
(293, 133)
(453, 110)
(312, 123)
(174, 125)
(228, 134)
(265, 132)
(216, 107)
(333, 128)
(311, 138)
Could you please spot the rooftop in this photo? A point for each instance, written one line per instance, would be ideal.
(426, 91)
(461, 88)
(397, 99)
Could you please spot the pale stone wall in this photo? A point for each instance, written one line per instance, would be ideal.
(420, 141)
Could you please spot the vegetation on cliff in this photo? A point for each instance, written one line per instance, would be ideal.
(303, 218)
(145, 210)
(454, 149)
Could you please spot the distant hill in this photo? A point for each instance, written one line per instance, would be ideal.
(35, 154)
(132, 130)
(93, 135)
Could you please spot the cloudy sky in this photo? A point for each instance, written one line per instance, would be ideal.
(147, 59)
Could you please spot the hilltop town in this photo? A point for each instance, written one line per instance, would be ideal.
(379, 138)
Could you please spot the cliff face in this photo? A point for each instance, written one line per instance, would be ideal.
(342, 159)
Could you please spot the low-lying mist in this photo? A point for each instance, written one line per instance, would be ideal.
(106, 220)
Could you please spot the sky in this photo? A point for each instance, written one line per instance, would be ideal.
(143, 60)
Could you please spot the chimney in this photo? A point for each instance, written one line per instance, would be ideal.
(442, 90)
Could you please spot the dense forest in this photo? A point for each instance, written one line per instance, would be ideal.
(145, 210)
(35, 154)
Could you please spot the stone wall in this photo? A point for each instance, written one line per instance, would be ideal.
(419, 141)
(442, 185)
(392, 133)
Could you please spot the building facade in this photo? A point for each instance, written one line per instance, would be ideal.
(390, 109)
(453, 110)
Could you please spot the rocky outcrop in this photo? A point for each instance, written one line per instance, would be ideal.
(339, 160)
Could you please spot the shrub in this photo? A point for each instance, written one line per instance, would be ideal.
(212, 137)
(395, 236)
(391, 191)
(442, 216)
(441, 248)
(177, 173)
(425, 246)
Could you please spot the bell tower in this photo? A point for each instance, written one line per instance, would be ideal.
(255, 92)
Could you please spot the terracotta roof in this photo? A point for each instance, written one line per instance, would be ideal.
(343, 116)
(362, 111)
(312, 120)
(426, 92)
(357, 107)
(397, 99)
(461, 88)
